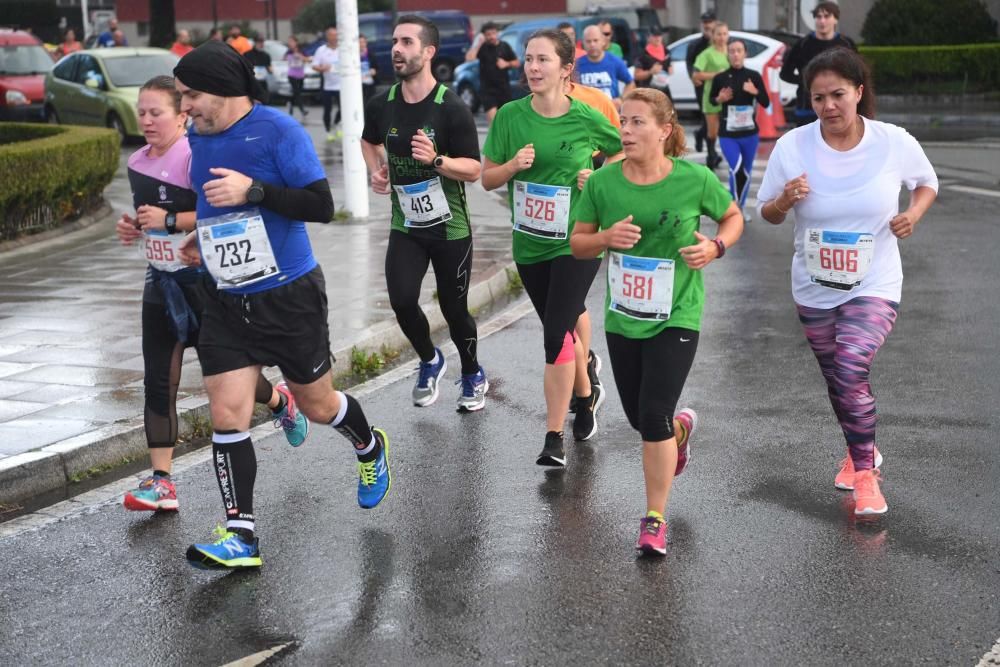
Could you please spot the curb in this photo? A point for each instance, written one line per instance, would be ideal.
(51, 468)
(33, 241)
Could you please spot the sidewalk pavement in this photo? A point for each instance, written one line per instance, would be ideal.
(71, 391)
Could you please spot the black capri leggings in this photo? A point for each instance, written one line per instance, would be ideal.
(162, 356)
(650, 374)
(558, 291)
(406, 262)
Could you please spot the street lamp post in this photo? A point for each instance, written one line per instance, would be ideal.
(352, 109)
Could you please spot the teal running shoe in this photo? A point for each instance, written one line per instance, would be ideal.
(374, 476)
(293, 422)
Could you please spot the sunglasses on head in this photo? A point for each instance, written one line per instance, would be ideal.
(606, 34)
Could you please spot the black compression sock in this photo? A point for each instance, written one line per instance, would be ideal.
(235, 465)
(161, 473)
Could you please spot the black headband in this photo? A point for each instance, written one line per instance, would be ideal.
(218, 69)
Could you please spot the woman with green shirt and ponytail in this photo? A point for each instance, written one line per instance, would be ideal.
(541, 147)
(646, 211)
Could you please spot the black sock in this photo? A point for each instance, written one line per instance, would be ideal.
(161, 473)
(281, 404)
(235, 464)
(710, 145)
(354, 426)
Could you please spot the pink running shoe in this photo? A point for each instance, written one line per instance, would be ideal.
(845, 478)
(688, 419)
(868, 497)
(153, 495)
(652, 537)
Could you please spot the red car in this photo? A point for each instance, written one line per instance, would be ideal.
(23, 65)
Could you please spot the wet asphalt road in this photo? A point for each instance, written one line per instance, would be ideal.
(478, 555)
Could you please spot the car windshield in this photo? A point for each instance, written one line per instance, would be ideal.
(137, 70)
(276, 50)
(24, 59)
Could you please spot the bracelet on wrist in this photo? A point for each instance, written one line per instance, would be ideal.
(782, 212)
(720, 246)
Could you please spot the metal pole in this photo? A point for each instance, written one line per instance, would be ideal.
(86, 20)
(352, 109)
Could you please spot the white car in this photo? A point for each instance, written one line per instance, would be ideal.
(277, 82)
(761, 51)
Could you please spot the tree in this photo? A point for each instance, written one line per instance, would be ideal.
(926, 22)
(161, 23)
(318, 14)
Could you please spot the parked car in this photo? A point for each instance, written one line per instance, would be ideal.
(466, 82)
(101, 86)
(23, 65)
(454, 27)
(277, 81)
(761, 51)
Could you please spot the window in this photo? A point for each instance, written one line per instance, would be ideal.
(24, 59)
(65, 69)
(143, 28)
(754, 48)
(679, 52)
(137, 70)
(451, 28)
(89, 70)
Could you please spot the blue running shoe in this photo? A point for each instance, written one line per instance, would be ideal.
(474, 388)
(293, 422)
(229, 552)
(426, 390)
(375, 478)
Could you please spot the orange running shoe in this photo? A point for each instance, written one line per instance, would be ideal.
(867, 496)
(845, 478)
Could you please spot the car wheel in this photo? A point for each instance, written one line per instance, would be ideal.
(51, 116)
(444, 70)
(116, 124)
(469, 96)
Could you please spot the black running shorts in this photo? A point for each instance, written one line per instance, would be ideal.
(285, 327)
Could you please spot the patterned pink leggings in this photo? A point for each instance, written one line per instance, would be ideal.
(845, 340)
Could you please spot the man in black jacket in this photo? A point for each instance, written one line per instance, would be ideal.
(694, 48)
(827, 14)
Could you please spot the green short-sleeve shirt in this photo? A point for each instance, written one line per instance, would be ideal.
(563, 146)
(710, 60)
(669, 213)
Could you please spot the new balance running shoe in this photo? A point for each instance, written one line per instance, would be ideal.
(154, 494)
(585, 422)
(845, 478)
(292, 422)
(425, 392)
(652, 536)
(553, 453)
(229, 552)
(374, 477)
(868, 497)
(474, 388)
(688, 419)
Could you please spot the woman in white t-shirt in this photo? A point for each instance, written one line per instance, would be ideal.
(842, 176)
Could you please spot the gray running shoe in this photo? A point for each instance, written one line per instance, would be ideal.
(425, 392)
(474, 388)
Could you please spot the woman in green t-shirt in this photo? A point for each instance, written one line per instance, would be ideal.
(541, 147)
(707, 66)
(647, 212)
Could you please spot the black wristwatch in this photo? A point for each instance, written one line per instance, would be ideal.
(438, 161)
(255, 193)
(170, 224)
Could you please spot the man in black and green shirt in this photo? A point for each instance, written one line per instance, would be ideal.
(421, 145)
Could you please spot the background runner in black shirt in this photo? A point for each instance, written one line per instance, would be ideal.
(495, 58)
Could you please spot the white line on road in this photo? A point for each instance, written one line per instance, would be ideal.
(991, 659)
(257, 658)
(112, 493)
(975, 191)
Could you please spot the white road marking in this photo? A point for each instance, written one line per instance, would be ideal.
(257, 658)
(975, 191)
(991, 659)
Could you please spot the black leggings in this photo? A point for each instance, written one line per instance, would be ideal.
(328, 98)
(650, 374)
(162, 356)
(406, 263)
(296, 100)
(558, 291)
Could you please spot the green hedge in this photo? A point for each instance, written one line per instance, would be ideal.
(52, 173)
(968, 68)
